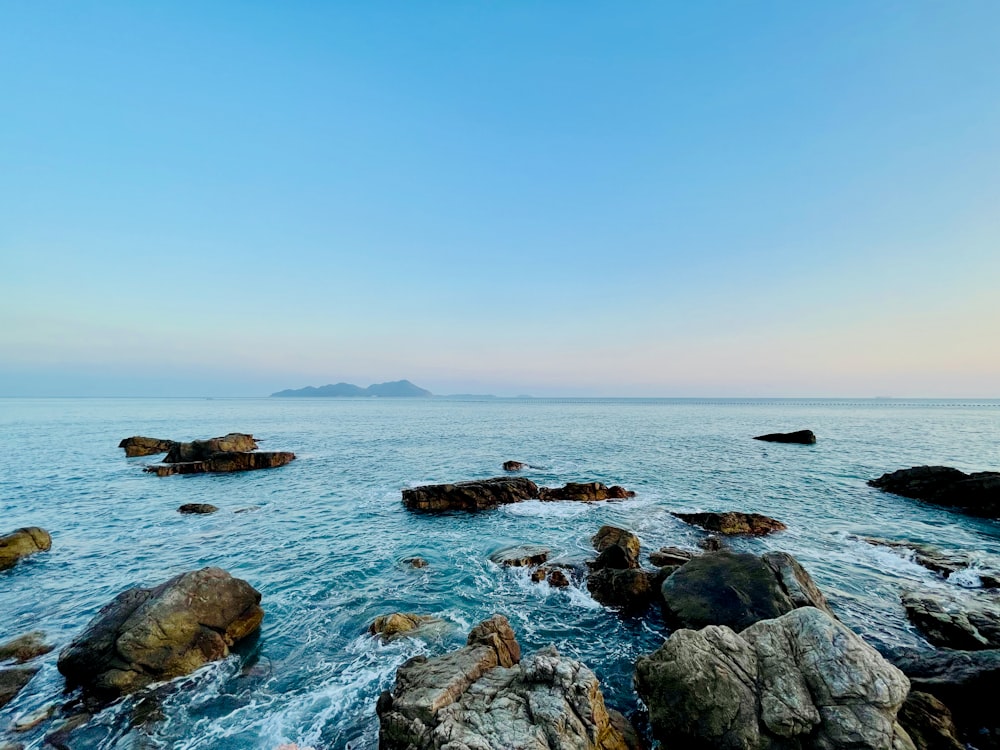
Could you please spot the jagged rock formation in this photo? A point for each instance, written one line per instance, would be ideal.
(960, 621)
(202, 450)
(145, 446)
(21, 543)
(802, 437)
(585, 492)
(148, 635)
(478, 494)
(976, 494)
(483, 697)
(737, 590)
(224, 463)
(733, 523)
(800, 681)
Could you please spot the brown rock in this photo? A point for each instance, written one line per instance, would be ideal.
(145, 446)
(12, 682)
(25, 647)
(513, 466)
(586, 492)
(398, 624)
(479, 494)
(22, 543)
(200, 508)
(618, 548)
(224, 463)
(558, 579)
(733, 522)
(416, 562)
(928, 722)
(202, 450)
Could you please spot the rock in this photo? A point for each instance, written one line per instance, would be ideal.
(802, 680)
(202, 450)
(12, 682)
(481, 697)
(802, 437)
(416, 562)
(618, 548)
(25, 647)
(711, 543)
(479, 494)
(33, 719)
(733, 522)
(947, 562)
(965, 681)
(145, 446)
(669, 556)
(22, 543)
(587, 492)
(61, 736)
(557, 579)
(149, 635)
(513, 466)
(976, 494)
(398, 624)
(631, 590)
(224, 463)
(737, 590)
(11, 745)
(964, 622)
(197, 508)
(522, 556)
(928, 722)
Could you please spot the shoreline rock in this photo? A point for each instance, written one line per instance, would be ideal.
(477, 494)
(975, 494)
(800, 437)
(25, 647)
(584, 492)
(222, 463)
(145, 446)
(23, 543)
(733, 523)
(13, 681)
(963, 622)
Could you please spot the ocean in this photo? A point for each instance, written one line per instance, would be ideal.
(324, 538)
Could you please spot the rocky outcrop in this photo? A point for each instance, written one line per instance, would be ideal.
(928, 722)
(521, 556)
(479, 494)
(946, 562)
(802, 437)
(670, 556)
(513, 466)
(484, 697)
(12, 682)
(553, 576)
(951, 620)
(21, 543)
(225, 463)
(148, 635)
(197, 508)
(397, 624)
(25, 647)
(737, 590)
(801, 681)
(618, 548)
(202, 450)
(976, 494)
(585, 492)
(145, 446)
(616, 580)
(733, 523)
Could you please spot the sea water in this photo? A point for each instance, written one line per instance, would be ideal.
(325, 538)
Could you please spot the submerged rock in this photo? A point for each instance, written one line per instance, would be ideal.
(733, 523)
(513, 466)
(12, 682)
(201, 508)
(802, 437)
(202, 450)
(399, 624)
(149, 635)
(586, 492)
(959, 621)
(976, 494)
(947, 562)
(416, 562)
(25, 647)
(145, 446)
(22, 543)
(737, 590)
(479, 494)
(224, 463)
(521, 556)
(483, 696)
(802, 680)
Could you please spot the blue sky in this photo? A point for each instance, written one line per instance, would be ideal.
(662, 199)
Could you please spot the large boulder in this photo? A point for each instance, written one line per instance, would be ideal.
(200, 450)
(22, 543)
(483, 697)
(630, 590)
(224, 463)
(737, 590)
(145, 446)
(617, 548)
(148, 635)
(976, 494)
(802, 437)
(800, 681)
(733, 523)
(479, 494)
(950, 620)
(585, 492)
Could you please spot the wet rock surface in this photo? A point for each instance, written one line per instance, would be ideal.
(222, 463)
(478, 494)
(928, 722)
(670, 556)
(148, 635)
(976, 494)
(733, 523)
(22, 543)
(202, 450)
(145, 446)
(397, 624)
(12, 682)
(521, 556)
(963, 621)
(586, 492)
(737, 590)
(617, 548)
(946, 562)
(514, 466)
(197, 508)
(483, 697)
(25, 647)
(802, 680)
(801, 437)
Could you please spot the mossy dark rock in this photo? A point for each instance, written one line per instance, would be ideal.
(928, 722)
(585, 492)
(479, 494)
(801, 437)
(976, 494)
(197, 508)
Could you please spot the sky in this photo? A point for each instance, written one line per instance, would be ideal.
(590, 198)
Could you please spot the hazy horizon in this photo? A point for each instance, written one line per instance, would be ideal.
(658, 200)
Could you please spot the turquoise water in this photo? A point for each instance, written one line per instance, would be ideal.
(323, 539)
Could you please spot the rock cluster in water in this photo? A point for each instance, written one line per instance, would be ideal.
(236, 451)
(733, 523)
(486, 494)
(484, 696)
(976, 494)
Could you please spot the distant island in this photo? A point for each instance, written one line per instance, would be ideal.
(395, 389)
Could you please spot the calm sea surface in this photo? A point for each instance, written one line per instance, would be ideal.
(324, 538)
